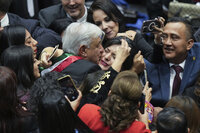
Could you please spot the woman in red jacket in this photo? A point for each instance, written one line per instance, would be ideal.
(119, 113)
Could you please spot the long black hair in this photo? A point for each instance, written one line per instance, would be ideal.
(12, 35)
(11, 113)
(20, 60)
(55, 114)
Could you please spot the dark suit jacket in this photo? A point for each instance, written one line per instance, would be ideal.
(45, 37)
(80, 68)
(49, 14)
(159, 76)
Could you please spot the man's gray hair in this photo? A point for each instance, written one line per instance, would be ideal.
(77, 34)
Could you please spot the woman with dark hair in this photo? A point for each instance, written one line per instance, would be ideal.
(55, 112)
(19, 35)
(95, 86)
(111, 47)
(119, 112)
(16, 35)
(21, 60)
(13, 119)
(107, 16)
(190, 108)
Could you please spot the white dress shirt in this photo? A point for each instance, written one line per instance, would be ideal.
(172, 75)
(82, 19)
(5, 21)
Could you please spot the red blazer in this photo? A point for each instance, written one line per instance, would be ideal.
(91, 116)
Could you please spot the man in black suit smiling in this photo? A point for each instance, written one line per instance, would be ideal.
(72, 10)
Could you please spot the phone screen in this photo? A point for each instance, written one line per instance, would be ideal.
(68, 87)
(148, 25)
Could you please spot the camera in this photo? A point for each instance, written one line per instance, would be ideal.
(148, 26)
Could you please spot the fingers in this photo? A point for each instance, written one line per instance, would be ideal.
(138, 54)
(139, 58)
(125, 45)
(74, 104)
(138, 63)
(158, 29)
(44, 60)
(79, 94)
(147, 92)
(146, 87)
(162, 20)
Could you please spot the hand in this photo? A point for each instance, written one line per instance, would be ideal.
(74, 104)
(156, 110)
(157, 35)
(44, 60)
(143, 118)
(138, 63)
(147, 92)
(122, 53)
(129, 34)
(1, 28)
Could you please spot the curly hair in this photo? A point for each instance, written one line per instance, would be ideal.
(120, 108)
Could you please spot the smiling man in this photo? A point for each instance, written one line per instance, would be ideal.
(181, 62)
(72, 10)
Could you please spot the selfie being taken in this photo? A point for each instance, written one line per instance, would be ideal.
(99, 66)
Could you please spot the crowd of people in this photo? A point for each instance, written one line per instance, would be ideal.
(120, 83)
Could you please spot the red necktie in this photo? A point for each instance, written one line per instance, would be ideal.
(177, 80)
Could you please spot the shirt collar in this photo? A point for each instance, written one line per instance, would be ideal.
(82, 19)
(5, 21)
(181, 64)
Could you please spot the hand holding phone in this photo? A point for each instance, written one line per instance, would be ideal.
(148, 25)
(53, 52)
(75, 104)
(68, 86)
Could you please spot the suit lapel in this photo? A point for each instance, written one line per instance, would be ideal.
(189, 64)
(164, 73)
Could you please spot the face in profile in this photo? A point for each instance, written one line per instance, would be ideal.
(95, 51)
(29, 41)
(36, 71)
(105, 23)
(175, 42)
(75, 8)
(108, 57)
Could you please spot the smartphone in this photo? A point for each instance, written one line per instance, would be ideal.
(142, 104)
(54, 51)
(149, 108)
(148, 25)
(68, 87)
(145, 75)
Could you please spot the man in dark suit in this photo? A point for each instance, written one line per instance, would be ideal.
(181, 62)
(73, 10)
(45, 37)
(82, 51)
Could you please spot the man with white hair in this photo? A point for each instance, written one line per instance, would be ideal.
(82, 50)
